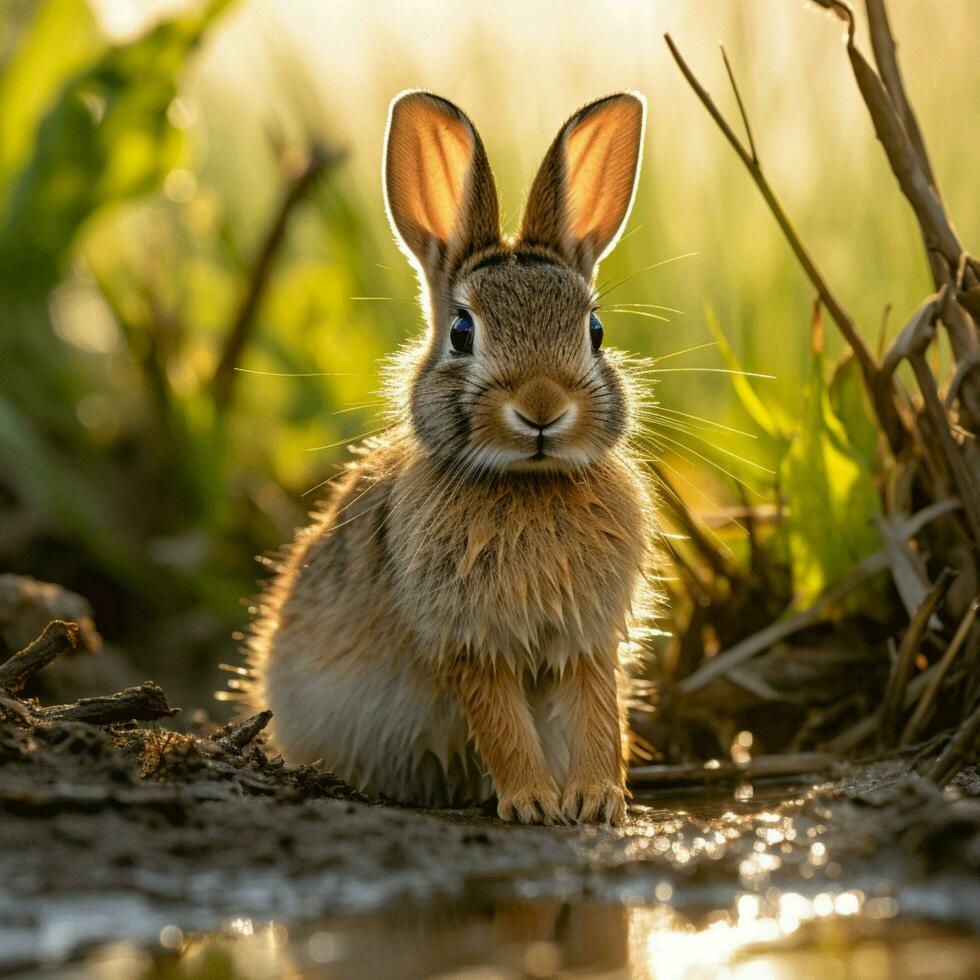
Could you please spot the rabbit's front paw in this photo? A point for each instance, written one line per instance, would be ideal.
(535, 804)
(594, 801)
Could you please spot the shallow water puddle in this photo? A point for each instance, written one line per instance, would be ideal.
(542, 938)
(753, 883)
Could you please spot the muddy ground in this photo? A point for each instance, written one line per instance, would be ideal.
(119, 830)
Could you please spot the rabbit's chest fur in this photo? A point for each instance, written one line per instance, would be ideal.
(536, 569)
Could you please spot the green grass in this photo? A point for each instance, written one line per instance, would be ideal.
(136, 183)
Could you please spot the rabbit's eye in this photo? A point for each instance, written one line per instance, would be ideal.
(595, 331)
(461, 333)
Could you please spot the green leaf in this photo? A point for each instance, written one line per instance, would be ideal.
(828, 483)
(849, 402)
(105, 139)
(762, 415)
(62, 39)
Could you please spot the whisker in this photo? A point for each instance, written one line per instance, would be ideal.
(344, 442)
(299, 374)
(701, 456)
(727, 452)
(649, 306)
(644, 313)
(711, 422)
(708, 370)
(605, 288)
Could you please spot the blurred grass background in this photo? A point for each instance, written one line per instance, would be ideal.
(146, 148)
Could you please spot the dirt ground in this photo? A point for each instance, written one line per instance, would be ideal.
(116, 831)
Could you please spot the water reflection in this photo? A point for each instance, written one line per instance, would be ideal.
(744, 886)
(778, 937)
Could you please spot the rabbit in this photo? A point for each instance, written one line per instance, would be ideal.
(457, 621)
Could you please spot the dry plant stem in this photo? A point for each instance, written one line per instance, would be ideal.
(862, 730)
(898, 681)
(962, 478)
(146, 702)
(898, 132)
(58, 637)
(724, 662)
(761, 767)
(884, 405)
(712, 555)
(236, 736)
(886, 58)
(919, 717)
(934, 223)
(258, 279)
(961, 750)
(914, 336)
(765, 638)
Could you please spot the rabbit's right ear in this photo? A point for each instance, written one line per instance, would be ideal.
(439, 191)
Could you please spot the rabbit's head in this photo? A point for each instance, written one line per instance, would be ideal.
(512, 374)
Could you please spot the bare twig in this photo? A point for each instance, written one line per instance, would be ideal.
(237, 735)
(765, 638)
(907, 567)
(760, 767)
(741, 104)
(242, 324)
(961, 749)
(679, 511)
(934, 223)
(884, 405)
(146, 702)
(965, 484)
(722, 663)
(918, 720)
(58, 637)
(863, 729)
(898, 680)
(884, 48)
(914, 337)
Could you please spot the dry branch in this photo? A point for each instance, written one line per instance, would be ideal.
(724, 662)
(145, 702)
(898, 681)
(898, 132)
(965, 483)
(962, 749)
(886, 58)
(761, 767)
(236, 735)
(58, 637)
(921, 713)
(882, 401)
(320, 159)
(749, 647)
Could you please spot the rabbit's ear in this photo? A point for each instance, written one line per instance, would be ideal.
(583, 193)
(439, 190)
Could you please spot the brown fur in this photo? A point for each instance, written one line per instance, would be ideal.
(462, 606)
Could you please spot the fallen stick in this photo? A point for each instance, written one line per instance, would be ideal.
(893, 701)
(746, 649)
(962, 749)
(58, 637)
(146, 702)
(852, 737)
(236, 735)
(918, 719)
(761, 767)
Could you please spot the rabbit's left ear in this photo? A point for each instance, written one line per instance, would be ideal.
(583, 193)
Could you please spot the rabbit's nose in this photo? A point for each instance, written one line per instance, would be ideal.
(540, 407)
(536, 424)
